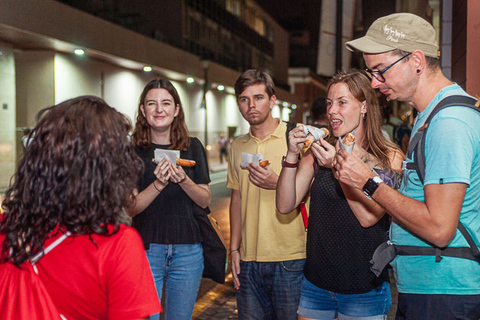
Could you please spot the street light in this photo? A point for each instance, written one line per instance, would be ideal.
(205, 65)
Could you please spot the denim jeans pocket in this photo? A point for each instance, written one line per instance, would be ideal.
(293, 265)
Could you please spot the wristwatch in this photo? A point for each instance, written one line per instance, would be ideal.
(286, 164)
(371, 186)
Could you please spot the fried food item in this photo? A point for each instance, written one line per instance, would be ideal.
(185, 162)
(314, 134)
(309, 141)
(263, 163)
(348, 139)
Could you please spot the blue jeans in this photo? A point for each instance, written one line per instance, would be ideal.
(180, 266)
(317, 303)
(269, 290)
(438, 306)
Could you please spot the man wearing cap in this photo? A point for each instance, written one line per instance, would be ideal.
(400, 51)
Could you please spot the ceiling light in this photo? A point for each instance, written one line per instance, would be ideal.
(190, 80)
(79, 52)
(147, 69)
(221, 88)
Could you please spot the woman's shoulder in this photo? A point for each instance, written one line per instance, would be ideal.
(195, 141)
(124, 234)
(195, 144)
(396, 158)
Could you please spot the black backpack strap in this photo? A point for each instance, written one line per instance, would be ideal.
(290, 126)
(471, 252)
(456, 252)
(473, 247)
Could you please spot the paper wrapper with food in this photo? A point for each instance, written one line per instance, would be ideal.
(347, 141)
(313, 134)
(173, 156)
(248, 158)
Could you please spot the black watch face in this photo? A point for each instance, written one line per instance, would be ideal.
(370, 187)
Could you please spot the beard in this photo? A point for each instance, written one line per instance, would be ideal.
(257, 119)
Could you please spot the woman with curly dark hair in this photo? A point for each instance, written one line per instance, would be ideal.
(75, 178)
(166, 197)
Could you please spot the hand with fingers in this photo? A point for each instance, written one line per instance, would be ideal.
(366, 157)
(162, 172)
(296, 139)
(177, 174)
(324, 153)
(235, 258)
(351, 170)
(263, 177)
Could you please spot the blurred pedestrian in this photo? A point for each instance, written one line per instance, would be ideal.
(319, 113)
(437, 210)
(267, 248)
(344, 226)
(223, 146)
(165, 198)
(74, 180)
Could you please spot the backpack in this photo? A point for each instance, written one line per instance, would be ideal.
(401, 136)
(23, 294)
(386, 252)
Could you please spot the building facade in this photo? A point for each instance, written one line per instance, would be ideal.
(201, 46)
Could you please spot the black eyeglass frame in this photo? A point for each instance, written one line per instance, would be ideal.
(379, 74)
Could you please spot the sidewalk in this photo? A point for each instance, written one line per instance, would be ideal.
(217, 166)
(220, 302)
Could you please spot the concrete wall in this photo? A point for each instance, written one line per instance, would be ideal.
(7, 115)
(473, 47)
(35, 85)
(45, 78)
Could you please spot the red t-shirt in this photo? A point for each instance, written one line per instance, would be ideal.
(109, 280)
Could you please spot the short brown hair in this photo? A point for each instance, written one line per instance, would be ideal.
(252, 77)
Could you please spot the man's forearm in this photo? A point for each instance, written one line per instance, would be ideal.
(235, 221)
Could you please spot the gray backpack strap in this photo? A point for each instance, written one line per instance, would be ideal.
(473, 247)
(55, 243)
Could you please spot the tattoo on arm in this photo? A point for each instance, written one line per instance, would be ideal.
(391, 177)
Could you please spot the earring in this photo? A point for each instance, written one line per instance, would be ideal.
(418, 70)
(363, 115)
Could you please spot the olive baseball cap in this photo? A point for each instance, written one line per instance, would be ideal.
(404, 31)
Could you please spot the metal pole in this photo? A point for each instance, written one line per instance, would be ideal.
(205, 65)
(339, 44)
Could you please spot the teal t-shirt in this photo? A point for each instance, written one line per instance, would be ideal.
(452, 151)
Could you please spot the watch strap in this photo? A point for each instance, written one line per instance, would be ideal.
(286, 164)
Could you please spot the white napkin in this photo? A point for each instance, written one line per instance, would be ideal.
(344, 147)
(248, 158)
(317, 133)
(171, 155)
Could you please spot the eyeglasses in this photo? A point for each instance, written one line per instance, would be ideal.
(379, 74)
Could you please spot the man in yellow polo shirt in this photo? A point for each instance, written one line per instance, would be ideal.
(267, 247)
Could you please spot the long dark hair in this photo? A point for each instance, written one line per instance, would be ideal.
(178, 132)
(78, 172)
(359, 85)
